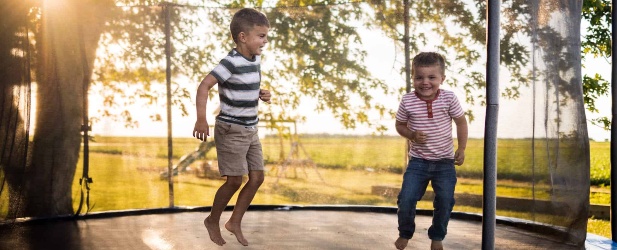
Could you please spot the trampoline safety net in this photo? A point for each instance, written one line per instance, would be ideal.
(98, 104)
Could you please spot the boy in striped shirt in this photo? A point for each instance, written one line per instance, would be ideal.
(425, 118)
(238, 147)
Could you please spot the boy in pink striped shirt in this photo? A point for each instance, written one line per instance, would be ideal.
(425, 118)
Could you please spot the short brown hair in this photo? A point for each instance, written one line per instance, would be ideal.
(424, 59)
(245, 19)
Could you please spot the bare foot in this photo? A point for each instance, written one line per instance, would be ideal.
(401, 243)
(214, 231)
(235, 229)
(436, 245)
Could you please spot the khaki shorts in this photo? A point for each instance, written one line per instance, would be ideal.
(238, 149)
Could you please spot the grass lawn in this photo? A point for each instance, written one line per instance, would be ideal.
(126, 174)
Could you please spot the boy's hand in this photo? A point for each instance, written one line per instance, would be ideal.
(201, 130)
(264, 95)
(459, 157)
(419, 136)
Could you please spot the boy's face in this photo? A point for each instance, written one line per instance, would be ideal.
(254, 41)
(426, 81)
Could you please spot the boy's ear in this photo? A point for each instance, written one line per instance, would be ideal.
(241, 37)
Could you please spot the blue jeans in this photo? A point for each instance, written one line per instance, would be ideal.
(442, 175)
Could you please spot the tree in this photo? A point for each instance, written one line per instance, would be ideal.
(306, 66)
(596, 43)
(313, 52)
(299, 37)
(464, 44)
(64, 55)
(14, 100)
(133, 58)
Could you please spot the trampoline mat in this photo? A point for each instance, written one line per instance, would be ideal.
(304, 229)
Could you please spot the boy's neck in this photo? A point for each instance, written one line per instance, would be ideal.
(244, 52)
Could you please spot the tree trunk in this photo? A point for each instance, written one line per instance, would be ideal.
(70, 31)
(14, 103)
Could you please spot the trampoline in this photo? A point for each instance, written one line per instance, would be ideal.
(273, 227)
(143, 204)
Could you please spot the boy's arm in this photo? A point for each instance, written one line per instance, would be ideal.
(461, 135)
(414, 136)
(201, 130)
(265, 95)
(403, 130)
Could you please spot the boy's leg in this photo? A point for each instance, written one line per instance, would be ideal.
(436, 245)
(443, 183)
(234, 224)
(415, 181)
(221, 199)
(255, 164)
(230, 165)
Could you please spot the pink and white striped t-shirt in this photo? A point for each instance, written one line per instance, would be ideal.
(433, 118)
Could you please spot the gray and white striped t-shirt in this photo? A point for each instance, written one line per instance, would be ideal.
(239, 81)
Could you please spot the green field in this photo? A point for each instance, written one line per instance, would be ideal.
(382, 154)
(126, 173)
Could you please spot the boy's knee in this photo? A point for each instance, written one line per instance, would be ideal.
(408, 198)
(256, 179)
(444, 203)
(234, 181)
